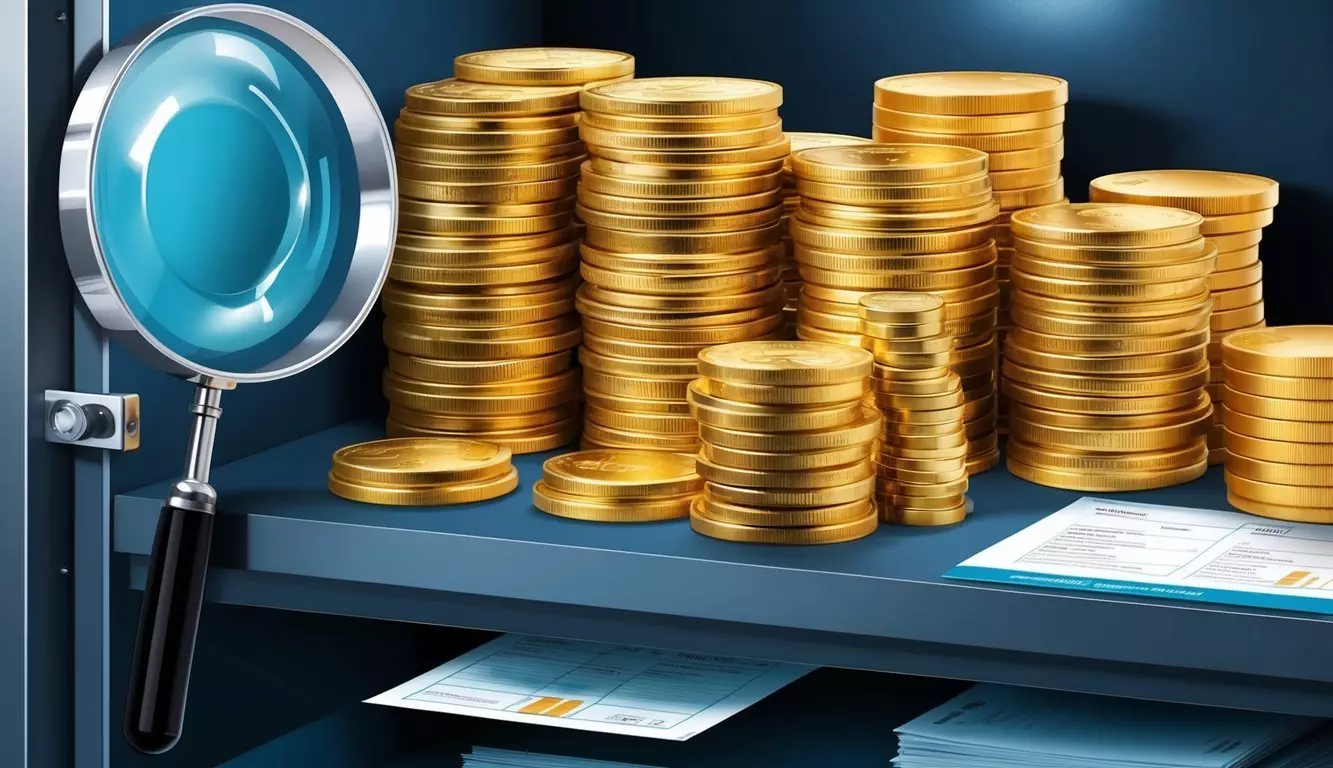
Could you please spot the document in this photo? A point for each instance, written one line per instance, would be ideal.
(593, 686)
(508, 758)
(1145, 550)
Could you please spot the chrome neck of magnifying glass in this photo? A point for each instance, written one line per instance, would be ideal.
(206, 410)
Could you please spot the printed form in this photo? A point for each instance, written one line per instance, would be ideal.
(1206, 555)
(593, 686)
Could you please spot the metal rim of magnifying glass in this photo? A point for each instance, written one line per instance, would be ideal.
(374, 163)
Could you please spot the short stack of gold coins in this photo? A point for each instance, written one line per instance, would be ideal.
(618, 485)
(922, 463)
(788, 443)
(1235, 208)
(1017, 118)
(1279, 422)
(422, 471)
(1106, 366)
(481, 325)
(682, 200)
(903, 217)
(791, 275)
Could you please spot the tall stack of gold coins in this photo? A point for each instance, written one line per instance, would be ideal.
(791, 275)
(1279, 422)
(422, 471)
(1106, 366)
(1235, 208)
(922, 463)
(903, 217)
(480, 324)
(682, 199)
(617, 485)
(788, 443)
(1017, 118)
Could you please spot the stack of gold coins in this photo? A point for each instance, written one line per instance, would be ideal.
(791, 275)
(1017, 118)
(618, 485)
(1235, 208)
(903, 217)
(480, 313)
(1106, 366)
(1279, 422)
(422, 471)
(788, 443)
(922, 464)
(682, 199)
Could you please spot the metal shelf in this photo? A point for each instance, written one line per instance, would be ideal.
(880, 603)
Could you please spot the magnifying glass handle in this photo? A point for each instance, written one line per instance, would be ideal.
(168, 625)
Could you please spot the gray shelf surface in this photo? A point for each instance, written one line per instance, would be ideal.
(284, 541)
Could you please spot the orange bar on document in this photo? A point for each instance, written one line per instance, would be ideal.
(540, 705)
(1292, 578)
(569, 705)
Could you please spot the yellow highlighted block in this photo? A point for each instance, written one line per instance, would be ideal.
(1292, 578)
(569, 705)
(540, 705)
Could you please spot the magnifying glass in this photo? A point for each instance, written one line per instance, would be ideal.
(228, 206)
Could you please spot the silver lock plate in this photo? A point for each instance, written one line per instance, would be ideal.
(110, 422)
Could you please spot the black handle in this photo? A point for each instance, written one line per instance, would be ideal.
(168, 624)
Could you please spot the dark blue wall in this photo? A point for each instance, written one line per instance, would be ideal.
(1229, 84)
(394, 43)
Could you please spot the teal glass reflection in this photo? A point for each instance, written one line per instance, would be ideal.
(225, 195)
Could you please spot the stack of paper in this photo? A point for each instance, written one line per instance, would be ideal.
(992, 725)
(1313, 751)
(505, 758)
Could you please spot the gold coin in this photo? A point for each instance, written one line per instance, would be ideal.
(1268, 407)
(1108, 346)
(817, 534)
(1237, 241)
(686, 192)
(864, 429)
(705, 124)
(1085, 404)
(1157, 363)
(1199, 406)
(1106, 224)
(542, 66)
(682, 96)
(919, 338)
(1274, 493)
(685, 242)
(480, 218)
(611, 510)
(1207, 192)
(803, 140)
(636, 387)
(405, 462)
(656, 318)
(460, 493)
(901, 281)
(456, 97)
(940, 123)
(910, 491)
(467, 177)
(986, 142)
(916, 476)
(841, 323)
(894, 403)
(1183, 270)
(887, 353)
(1279, 511)
(650, 423)
(854, 242)
(747, 220)
(423, 136)
(723, 209)
(467, 318)
(786, 363)
(1280, 474)
(901, 504)
(720, 334)
(1044, 457)
(1025, 178)
(473, 424)
(600, 137)
(561, 261)
(463, 372)
(482, 298)
(1284, 387)
(1057, 325)
(1104, 482)
(1236, 222)
(428, 251)
(1275, 429)
(899, 263)
(922, 517)
(435, 398)
(639, 171)
(643, 349)
(420, 341)
(1109, 386)
(1107, 310)
(773, 150)
(770, 498)
(1232, 260)
(895, 444)
(1114, 256)
(785, 461)
(902, 197)
(829, 477)
(622, 474)
(1021, 159)
(971, 93)
(527, 192)
(764, 297)
(632, 405)
(527, 440)
(488, 122)
(1043, 194)
(612, 437)
(887, 164)
(1236, 278)
(558, 382)
(540, 329)
(1281, 451)
(1297, 351)
(983, 209)
(1248, 296)
(1156, 438)
(811, 333)
(661, 369)
(1106, 292)
(743, 417)
(723, 511)
(945, 381)
(919, 309)
(491, 160)
(767, 394)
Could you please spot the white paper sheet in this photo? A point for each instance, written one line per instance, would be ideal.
(593, 686)
(1206, 555)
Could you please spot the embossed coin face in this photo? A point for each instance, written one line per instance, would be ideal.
(888, 163)
(964, 93)
(683, 96)
(902, 302)
(802, 140)
(796, 363)
(452, 96)
(1206, 192)
(616, 467)
(1297, 350)
(1107, 223)
(420, 460)
(543, 66)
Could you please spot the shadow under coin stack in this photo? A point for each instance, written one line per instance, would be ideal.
(1106, 365)
(422, 471)
(903, 217)
(791, 276)
(922, 463)
(1018, 119)
(1235, 206)
(682, 199)
(480, 321)
(614, 485)
(1279, 422)
(788, 443)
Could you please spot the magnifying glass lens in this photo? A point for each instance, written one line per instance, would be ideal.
(225, 194)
